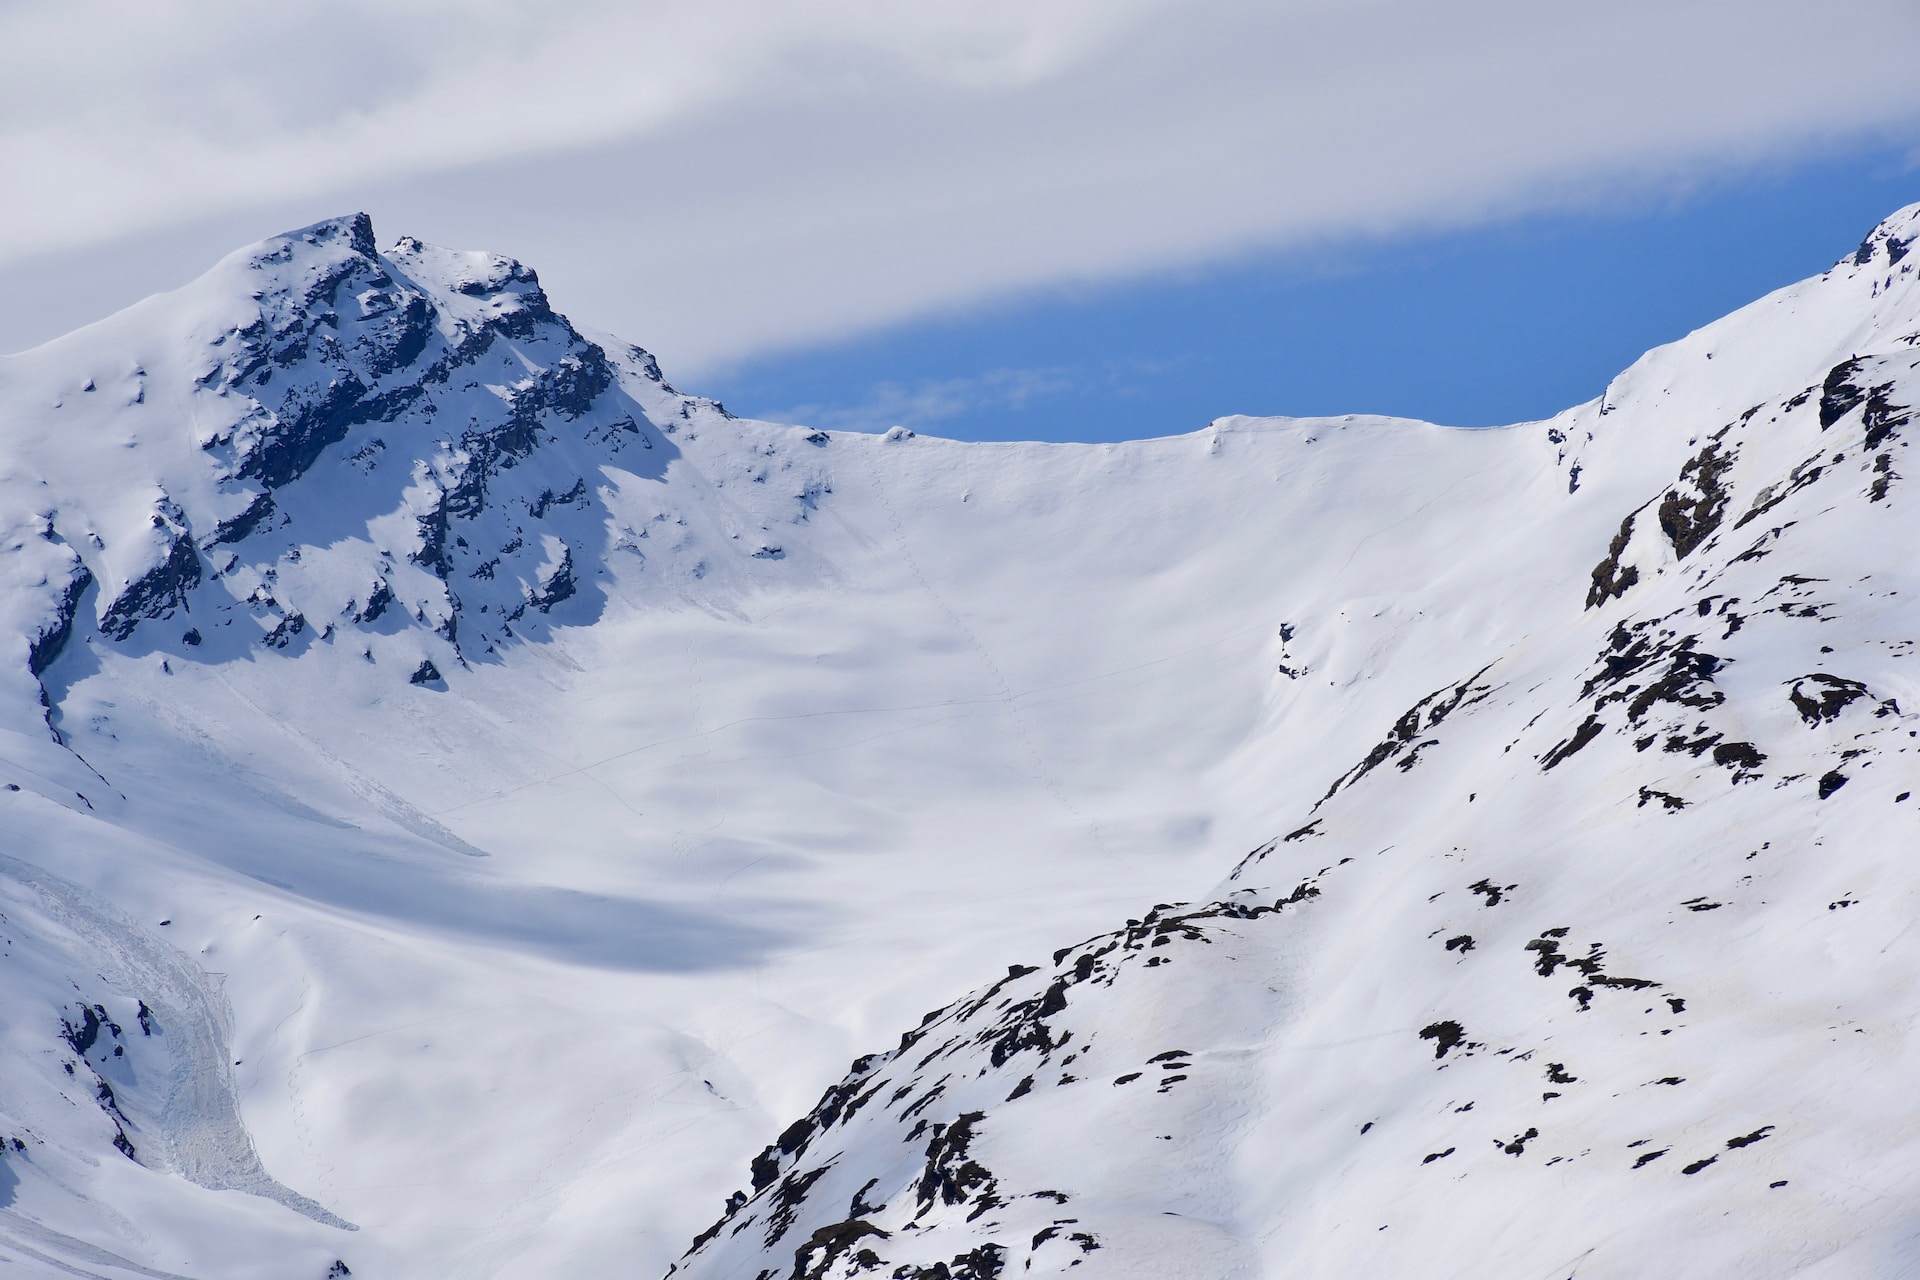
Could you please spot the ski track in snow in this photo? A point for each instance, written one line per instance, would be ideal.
(1003, 692)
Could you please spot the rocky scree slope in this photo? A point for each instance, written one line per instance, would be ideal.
(1598, 964)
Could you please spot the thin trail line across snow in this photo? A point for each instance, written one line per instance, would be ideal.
(594, 1132)
(409, 1025)
(1406, 519)
(1039, 773)
(506, 728)
(398, 809)
(1011, 699)
(325, 1174)
(296, 1104)
(684, 842)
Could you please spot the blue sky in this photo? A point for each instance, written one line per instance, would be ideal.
(1492, 325)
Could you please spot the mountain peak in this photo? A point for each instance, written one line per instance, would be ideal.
(1891, 239)
(316, 436)
(331, 240)
(355, 229)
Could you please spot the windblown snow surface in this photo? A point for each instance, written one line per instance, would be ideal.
(466, 803)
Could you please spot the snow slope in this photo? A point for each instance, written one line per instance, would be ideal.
(472, 798)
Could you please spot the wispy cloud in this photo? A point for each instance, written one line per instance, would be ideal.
(923, 406)
(122, 113)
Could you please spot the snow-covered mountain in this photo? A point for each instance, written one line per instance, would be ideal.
(467, 802)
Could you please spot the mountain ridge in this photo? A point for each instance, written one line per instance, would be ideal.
(767, 735)
(952, 1189)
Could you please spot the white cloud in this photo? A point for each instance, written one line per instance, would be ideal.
(716, 179)
(122, 111)
(926, 404)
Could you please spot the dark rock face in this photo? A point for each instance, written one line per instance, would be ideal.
(157, 593)
(353, 387)
(912, 1103)
(95, 1039)
(359, 343)
(1610, 578)
(379, 599)
(337, 445)
(556, 586)
(1404, 742)
(1692, 510)
(45, 646)
(1840, 394)
(1864, 384)
(236, 528)
(308, 357)
(1820, 697)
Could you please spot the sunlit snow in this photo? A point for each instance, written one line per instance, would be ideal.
(467, 803)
